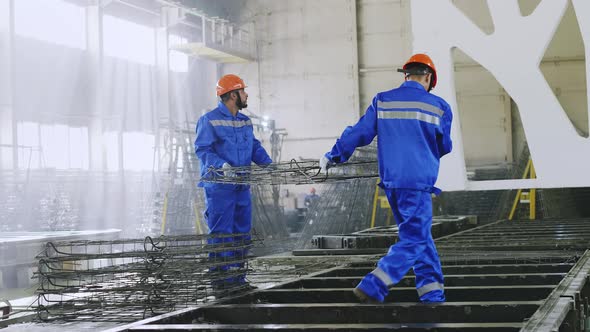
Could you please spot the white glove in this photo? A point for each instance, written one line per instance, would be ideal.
(325, 163)
(227, 170)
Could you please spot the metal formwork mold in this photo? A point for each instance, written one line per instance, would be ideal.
(385, 236)
(487, 287)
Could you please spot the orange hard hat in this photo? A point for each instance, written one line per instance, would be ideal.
(425, 60)
(229, 83)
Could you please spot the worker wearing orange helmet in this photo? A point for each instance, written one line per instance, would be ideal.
(225, 139)
(413, 129)
(311, 198)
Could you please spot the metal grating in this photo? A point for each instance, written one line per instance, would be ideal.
(539, 284)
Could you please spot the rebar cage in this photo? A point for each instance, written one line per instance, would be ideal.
(293, 172)
(123, 280)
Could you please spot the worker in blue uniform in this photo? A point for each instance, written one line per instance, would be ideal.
(311, 198)
(225, 139)
(413, 129)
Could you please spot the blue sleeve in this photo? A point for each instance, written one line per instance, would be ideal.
(445, 144)
(204, 144)
(361, 134)
(259, 155)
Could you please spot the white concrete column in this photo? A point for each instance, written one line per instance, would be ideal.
(94, 46)
(355, 59)
(583, 15)
(8, 135)
(163, 109)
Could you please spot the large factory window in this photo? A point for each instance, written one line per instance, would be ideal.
(53, 21)
(111, 148)
(78, 147)
(138, 151)
(127, 40)
(28, 145)
(62, 147)
(178, 60)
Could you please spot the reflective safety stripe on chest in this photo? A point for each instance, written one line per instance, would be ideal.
(235, 131)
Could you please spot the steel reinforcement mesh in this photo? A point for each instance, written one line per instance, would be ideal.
(125, 280)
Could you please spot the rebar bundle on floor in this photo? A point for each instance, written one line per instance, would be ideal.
(125, 280)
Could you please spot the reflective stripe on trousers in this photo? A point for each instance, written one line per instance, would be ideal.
(381, 275)
(430, 287)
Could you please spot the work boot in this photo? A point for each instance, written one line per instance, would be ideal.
(371, 290)
(362, 296)
(433, 297)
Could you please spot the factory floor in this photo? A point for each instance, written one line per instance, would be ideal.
(266, 272)
(503, 276)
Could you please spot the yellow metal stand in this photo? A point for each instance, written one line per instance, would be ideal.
(382, 203)
(198, 226)
(164, 214)
(389, 217)
(375, 201)
(526, 197)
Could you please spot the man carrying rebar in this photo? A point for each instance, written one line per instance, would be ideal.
(413, 129)
(225, 139)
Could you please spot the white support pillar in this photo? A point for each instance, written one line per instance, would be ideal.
(94, 45)
(583, 15)
(8, 134)
(163, 109)
(355, 59)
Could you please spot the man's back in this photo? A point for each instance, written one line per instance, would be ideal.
(413, 130)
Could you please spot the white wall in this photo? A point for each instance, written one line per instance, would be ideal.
(384, 42)
(321, 63)
(484, 105)
(306, 77)
(484, 109)
(521, 38)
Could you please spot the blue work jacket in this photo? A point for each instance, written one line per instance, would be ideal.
(224, 138)
(413, 129)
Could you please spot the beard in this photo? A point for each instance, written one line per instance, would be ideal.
(241, 104)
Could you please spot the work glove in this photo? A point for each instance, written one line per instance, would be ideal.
(227, 171)
(325, 163)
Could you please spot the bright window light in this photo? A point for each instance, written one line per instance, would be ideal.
(64, 147)
(178, 61)
(5, 157)
(6, 140)
(78, 148)
(54, 142)
(138, 151)
(128, 40)
(111, 148)
(28, 134)
(53, 21)
(28, 141)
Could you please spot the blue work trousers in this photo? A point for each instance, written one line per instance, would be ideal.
(415, 248)
(229, 211)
